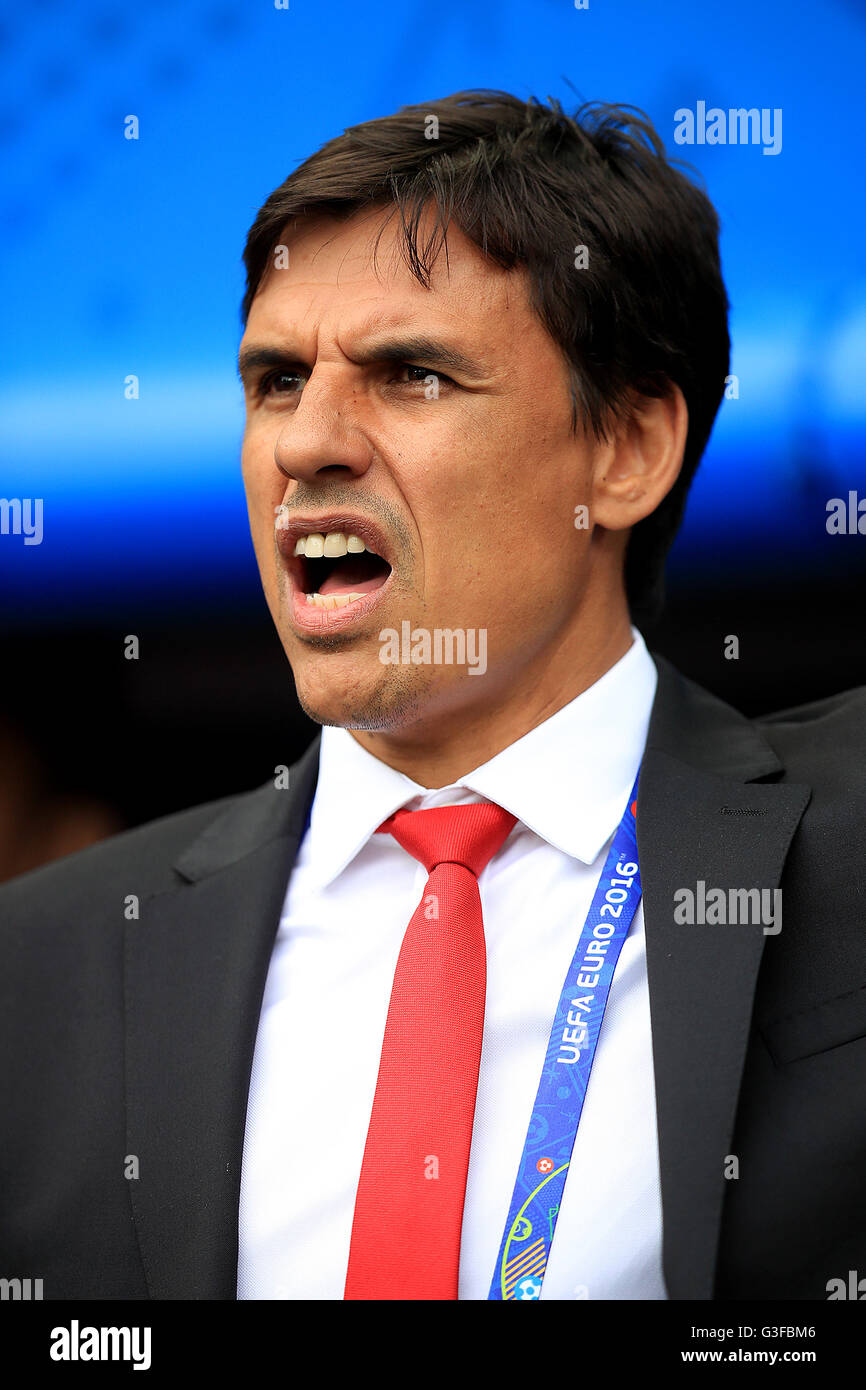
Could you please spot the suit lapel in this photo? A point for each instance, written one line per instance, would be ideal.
(195, 969)
(703, 815)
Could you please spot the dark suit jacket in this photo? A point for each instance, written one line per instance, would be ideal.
(124, 1038)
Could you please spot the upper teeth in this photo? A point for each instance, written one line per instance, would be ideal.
(336, 543)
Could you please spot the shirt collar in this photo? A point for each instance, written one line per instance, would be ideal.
(567, 780)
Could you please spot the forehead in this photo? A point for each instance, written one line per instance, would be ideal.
(342, 274)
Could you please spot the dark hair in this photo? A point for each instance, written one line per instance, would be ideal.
(528, 184)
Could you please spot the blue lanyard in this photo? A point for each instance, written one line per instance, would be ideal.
(531, 1221)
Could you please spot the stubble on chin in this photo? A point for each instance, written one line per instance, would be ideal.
(381, 703)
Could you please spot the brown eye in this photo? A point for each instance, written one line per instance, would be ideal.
(423, 373)
(280, 383)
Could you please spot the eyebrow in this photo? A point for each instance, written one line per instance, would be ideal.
(430, 352)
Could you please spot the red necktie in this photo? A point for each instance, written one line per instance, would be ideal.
(409, 1204)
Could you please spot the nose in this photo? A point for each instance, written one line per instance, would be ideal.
(322, 439)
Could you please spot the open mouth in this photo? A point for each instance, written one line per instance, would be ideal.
(335, 569)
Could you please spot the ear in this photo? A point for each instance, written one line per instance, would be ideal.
(638, 467)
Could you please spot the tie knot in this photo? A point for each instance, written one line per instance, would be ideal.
(469, 835)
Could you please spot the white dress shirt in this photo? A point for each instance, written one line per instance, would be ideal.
(349, 901)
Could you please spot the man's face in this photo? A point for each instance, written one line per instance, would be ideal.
(433, 425)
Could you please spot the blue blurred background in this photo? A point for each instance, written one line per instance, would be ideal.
(122, 257)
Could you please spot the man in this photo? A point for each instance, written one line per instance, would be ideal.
(342, 1037)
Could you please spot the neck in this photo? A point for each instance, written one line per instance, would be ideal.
(438, 749)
